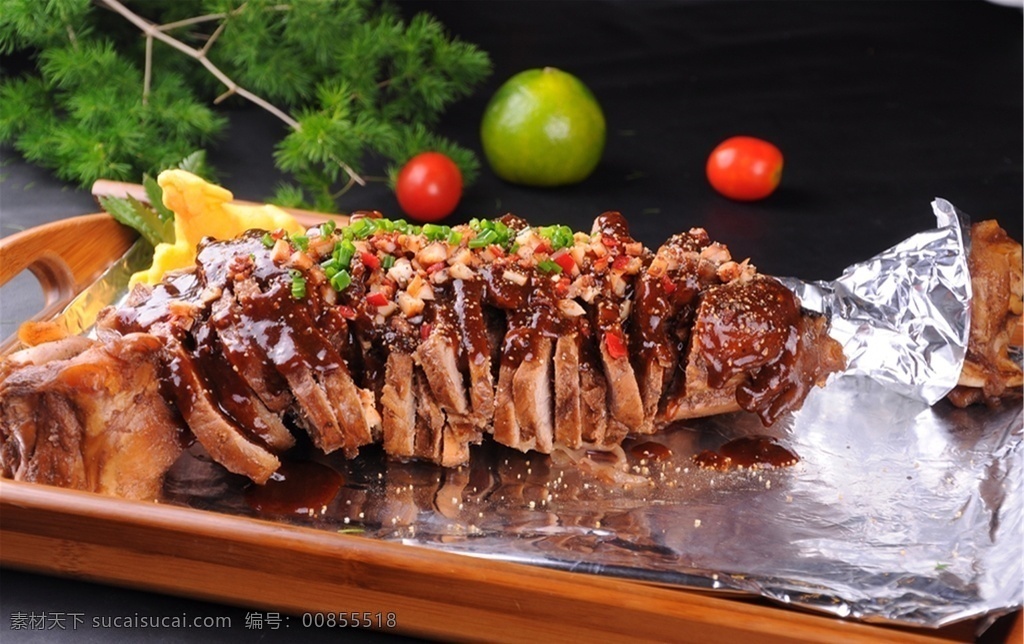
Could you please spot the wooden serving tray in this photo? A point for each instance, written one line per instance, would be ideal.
(275, 566)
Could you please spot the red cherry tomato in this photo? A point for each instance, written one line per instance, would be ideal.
(744, 168)
(429, 187)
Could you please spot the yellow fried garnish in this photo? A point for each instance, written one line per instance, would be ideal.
(202, 209)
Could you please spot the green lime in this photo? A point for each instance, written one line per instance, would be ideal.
(543, 127)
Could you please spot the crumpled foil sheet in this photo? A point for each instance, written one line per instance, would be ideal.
(898, 511)
(903, 316)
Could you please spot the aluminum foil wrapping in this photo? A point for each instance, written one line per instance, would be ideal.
(903, 316)
(902, 509)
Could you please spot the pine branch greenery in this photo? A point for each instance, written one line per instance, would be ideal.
(120, 89)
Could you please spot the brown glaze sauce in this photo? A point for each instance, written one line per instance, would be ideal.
(747, 452)
(614, 225)
(745, 326)
(650, 451)
(297, 487)
(531, 310)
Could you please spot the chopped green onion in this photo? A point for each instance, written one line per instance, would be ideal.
(492, 231)
(558, 236)
(434, 232)
(301, 242)
(298, 284)
(343, 253)
(387, 261)
(484, 238)
(363, 228)
(327, 228)
(341, 281)
(454, 238)
(549, 266)
(268, 241)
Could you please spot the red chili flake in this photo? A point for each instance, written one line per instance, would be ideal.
(425, 331)
(542, 247)
(370, 260)
(436, 266)
(564, 260)
(668, 285)
(621, 262)
(377, 299)
(615, 345)
(610, 241)
(347, 312)
(497, 250)
(600, 264)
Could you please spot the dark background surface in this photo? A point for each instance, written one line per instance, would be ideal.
(878, 108)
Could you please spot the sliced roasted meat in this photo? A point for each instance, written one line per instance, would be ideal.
(247, 356)
(751, 344)
(532, 397)
(610, 312)
(398, 406)
(425, 338)
(224, 439)
(568, 394)
(593, 397)
(663, 314)
(477, 348)
(438, 356)
(91, 420)
(429, 421)
(990, 370)
(329, 403)
(236, 399)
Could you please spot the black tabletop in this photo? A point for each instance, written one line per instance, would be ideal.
(878, 107)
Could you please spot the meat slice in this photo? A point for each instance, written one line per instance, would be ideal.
(593, 398)
(94, 420)
(523, 397)
(477, 347)
(398, 406)
(506, 425)
(277, 342)
(223, 438)
(235, 398)
(531, 394)
(63, 349)
(568, 397)
(247, 356)
(429, 421)
(437, 356)
(625, 407)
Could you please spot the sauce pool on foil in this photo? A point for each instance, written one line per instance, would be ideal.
(747, 452)
(297, 487)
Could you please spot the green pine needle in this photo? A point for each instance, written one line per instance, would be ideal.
(363, 83)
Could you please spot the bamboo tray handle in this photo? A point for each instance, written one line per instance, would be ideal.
(65, 256)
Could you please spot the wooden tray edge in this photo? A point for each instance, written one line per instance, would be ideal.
(296, 570)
